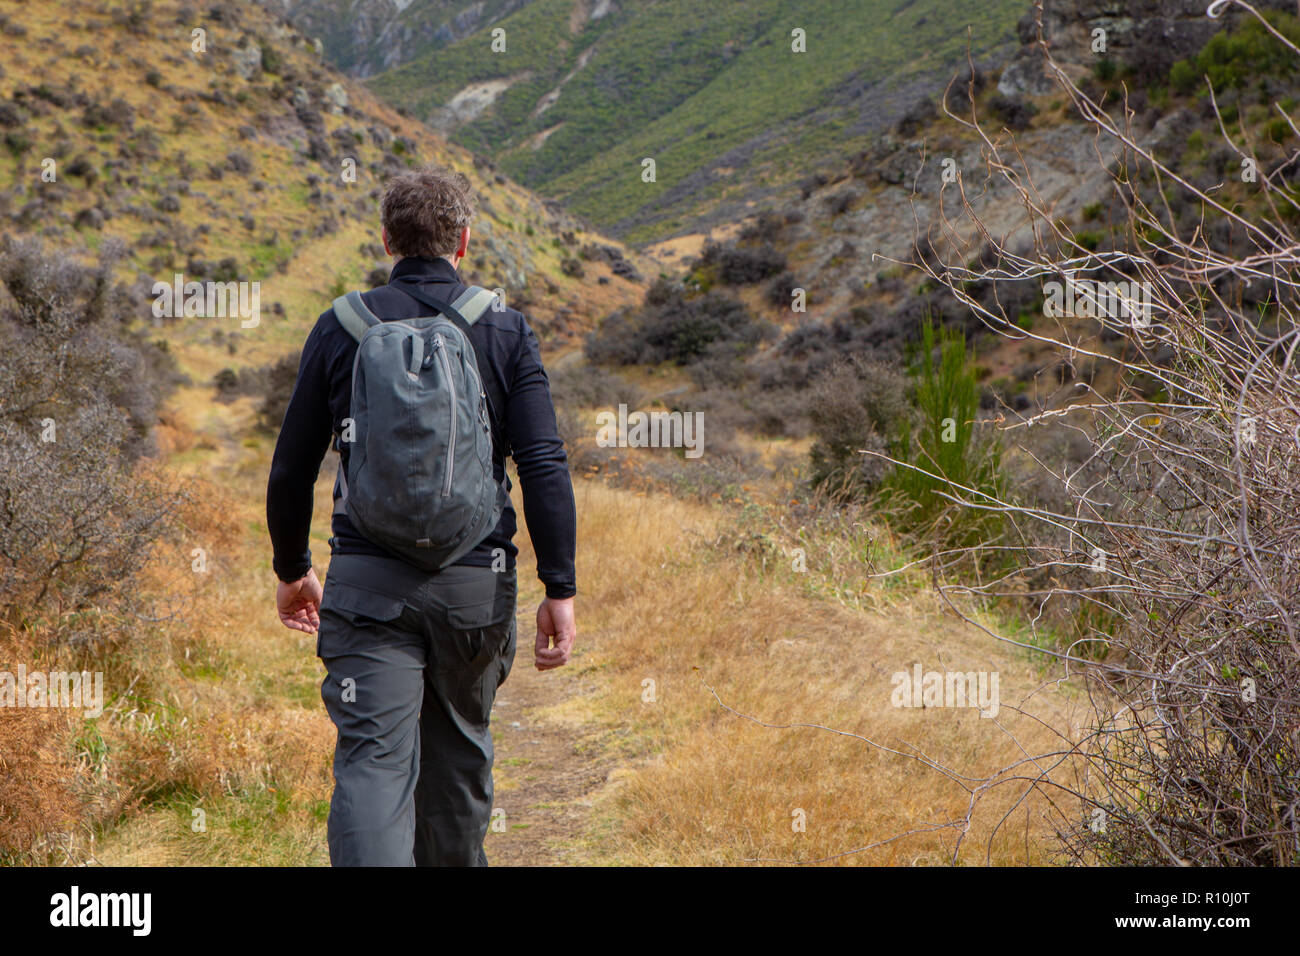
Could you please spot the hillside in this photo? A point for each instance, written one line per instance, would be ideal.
(724, 107)
(252, 160)
(364, 37)
(853, 234)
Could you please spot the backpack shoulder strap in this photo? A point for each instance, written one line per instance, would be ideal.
(473, 302)
(353, 314)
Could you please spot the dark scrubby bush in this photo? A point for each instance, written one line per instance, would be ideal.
(136, 17)
(780, 291)
(78, 394)
(673, 326)
(811, 183)
(968, 81)
(272, 61)
(17, 142)
(89, 218)
(279, 379)
(840, 202)
(768, 226)
(741, 265)
(117, 112)
(11, 117)
(238, 162)
(1012, 111)
(860, 404)
(84, 169)
(917, 116)
(589, 386)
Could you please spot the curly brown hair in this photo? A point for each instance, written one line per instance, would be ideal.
(424, 211)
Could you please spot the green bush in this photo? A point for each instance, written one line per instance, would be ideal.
(947, 448)
(1236, 57)
(1184, 77)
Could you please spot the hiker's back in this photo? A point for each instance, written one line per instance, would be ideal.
(419, 475)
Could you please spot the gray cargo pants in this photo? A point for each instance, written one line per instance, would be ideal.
(414, 661)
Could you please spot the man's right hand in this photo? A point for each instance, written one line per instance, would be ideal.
(555, 633)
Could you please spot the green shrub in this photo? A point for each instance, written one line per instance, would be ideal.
(947, 448)
(1238, 56)
(1184, 77)
(1089, 239)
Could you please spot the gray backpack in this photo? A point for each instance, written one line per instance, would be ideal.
(419, 478)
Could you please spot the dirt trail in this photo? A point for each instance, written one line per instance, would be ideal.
(545, 773)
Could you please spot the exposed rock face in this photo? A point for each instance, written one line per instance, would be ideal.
(248, 61)
(366, 37)
(509, 252)
(336, 97)
(1147, 35)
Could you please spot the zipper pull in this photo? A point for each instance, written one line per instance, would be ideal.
(433, 350)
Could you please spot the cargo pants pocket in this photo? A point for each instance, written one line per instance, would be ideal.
(475, 654)
(350, 613)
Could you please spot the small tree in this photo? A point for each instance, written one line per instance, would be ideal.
(943, 458)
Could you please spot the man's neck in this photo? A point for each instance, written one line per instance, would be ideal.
(453, 260)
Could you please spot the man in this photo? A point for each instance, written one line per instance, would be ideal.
(414, 658)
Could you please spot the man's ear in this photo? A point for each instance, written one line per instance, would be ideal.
(464, 243)
(383, 234)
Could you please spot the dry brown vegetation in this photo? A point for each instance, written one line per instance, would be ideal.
(1165, 577)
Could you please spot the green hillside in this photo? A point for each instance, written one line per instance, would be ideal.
(723, 105)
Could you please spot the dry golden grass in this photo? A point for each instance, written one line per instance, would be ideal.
(38, 775)
(663, 600)
(218, 710)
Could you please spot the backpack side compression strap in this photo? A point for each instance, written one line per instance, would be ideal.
(355, 317)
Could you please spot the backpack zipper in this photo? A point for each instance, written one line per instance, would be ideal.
(439, 346)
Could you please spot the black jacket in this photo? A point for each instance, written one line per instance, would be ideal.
(519, 392)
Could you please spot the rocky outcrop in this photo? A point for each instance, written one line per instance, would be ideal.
(366, 37)
(1148, 36)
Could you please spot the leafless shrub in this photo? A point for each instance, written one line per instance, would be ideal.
(1169, 584)
(79, 510)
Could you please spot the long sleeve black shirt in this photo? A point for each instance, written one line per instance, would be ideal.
(519, 392)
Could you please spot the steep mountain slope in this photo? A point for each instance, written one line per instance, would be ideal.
(723, 104)
(364, 37)
(213, 142)
(847, 235)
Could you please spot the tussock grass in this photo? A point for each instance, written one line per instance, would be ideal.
(667, 599)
